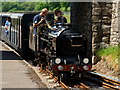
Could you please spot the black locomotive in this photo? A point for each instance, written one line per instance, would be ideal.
(56, 46)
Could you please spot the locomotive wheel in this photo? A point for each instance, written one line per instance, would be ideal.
(42, 60)
(35, 62)
(61, 77)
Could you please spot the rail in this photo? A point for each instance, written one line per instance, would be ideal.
(106, 82)
(56, 79)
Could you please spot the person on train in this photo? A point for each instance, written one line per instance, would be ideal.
(59, 18)
(7, 25)
(39, 19)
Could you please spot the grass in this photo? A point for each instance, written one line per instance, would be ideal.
(114, 51)
(111, 56)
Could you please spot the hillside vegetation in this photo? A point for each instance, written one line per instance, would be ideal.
(111, 56)
(34, 6)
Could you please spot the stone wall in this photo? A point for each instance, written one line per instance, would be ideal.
(115, 25)
(106, 25)
(101, 27)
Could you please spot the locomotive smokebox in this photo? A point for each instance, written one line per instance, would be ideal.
(71, 42)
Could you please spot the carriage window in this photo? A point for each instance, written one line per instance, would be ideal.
(15, 31)
(3, 21)
(15, 24)
(0, 20)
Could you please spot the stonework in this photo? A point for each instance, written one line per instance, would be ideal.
(101, 27)
(101, 17)
(115, 26)
(106, 24)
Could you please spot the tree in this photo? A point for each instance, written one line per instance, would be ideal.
(39, 6)
(64, 6)
(33, 6)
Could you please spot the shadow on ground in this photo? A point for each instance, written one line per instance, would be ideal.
(9, 55)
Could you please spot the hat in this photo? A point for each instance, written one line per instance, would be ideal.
(57, 11)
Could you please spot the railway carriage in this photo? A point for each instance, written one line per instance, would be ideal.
(18, 33)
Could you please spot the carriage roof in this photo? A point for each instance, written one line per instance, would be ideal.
(18, 15)
(15, 15)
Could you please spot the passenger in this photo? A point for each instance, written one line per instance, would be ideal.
(7, 25)
(59, 18)
(39, 19)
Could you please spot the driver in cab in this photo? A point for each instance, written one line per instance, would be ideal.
(59, 18)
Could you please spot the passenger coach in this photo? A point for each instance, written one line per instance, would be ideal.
(18, 32)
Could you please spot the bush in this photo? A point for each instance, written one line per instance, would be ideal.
(111, 56)
(113, 50)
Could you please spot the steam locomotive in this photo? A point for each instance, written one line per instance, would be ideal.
(56, 46)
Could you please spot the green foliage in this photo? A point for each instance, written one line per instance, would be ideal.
(34, 6)
(63, 4)
(67, 15)
(13, 9)
(39, 6)
(54, 5)
(114, 51)
(111, 56)
(6, 6)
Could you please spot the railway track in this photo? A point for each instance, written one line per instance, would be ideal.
(93, 80)
(56, 80)
(66, 86)
(82, 86)
(102, 81)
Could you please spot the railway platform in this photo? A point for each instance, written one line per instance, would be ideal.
(15, 73)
